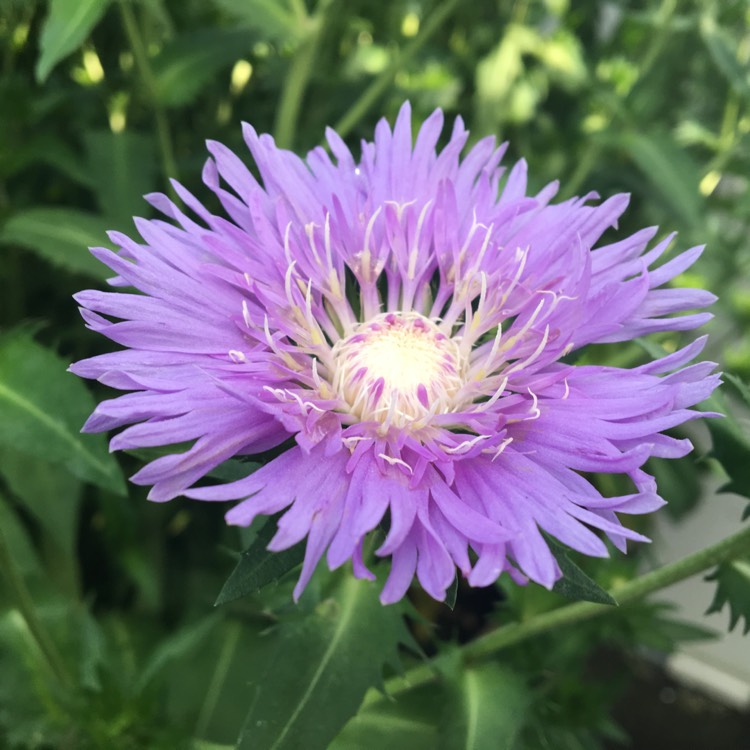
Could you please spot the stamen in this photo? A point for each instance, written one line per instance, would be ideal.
(397, 368)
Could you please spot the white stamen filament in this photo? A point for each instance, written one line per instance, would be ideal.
(397, 368)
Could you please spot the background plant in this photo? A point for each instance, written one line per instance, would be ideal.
(108, 634)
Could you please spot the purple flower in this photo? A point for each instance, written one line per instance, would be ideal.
(406, 319)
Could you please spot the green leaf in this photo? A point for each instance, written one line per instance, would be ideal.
(43, 408)
(575, 584)
(731, 445)
(732, 588)
(722, 51)
(123, 168)
(61, 236)
(68, 23)
(258, 567)
(20, 546)
(318, 667)
(405, 723)
(270, 17)
(48, 492)
(193, 60)
(485, 710)
(176, 646)
(670, 170)
(451, 594)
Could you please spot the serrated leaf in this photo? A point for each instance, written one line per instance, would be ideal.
(318, 667)
(575, 584)
(732, 588)
(258, 566)
(43, 408)
(485, 709)
(67, 24)
(60, 235)
(123, 170)
(192, 61)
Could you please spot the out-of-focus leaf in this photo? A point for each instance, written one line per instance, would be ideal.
(671, 172)
(733, 588)
(174, 647)
(485, 710)
(192, 60)
(273, 18)
(123, 168)
(722, 51)
(44, 149)
(68, 23)
(61, 236)
(679, 484)
(731, 446)
(575, 584)
(319, 666)
(17, 540)
(258, 567)
(406, 723)
(50, 493)
(43, 408)
(92, 648)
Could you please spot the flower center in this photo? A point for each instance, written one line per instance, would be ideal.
(398, 368)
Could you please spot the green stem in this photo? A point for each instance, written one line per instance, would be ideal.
(140, 55)
(298, 78)
(31, 618)
(370, 95)
(514, 633)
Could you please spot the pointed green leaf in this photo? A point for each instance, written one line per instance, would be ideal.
(67, 25)
(62, 236)
(575, 584)
(43, 408)
(732, 588)
(451, 594)
(318, 667)
(258, 566)
(485, 709)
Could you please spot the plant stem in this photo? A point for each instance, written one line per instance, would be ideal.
(298, 77)
(514, 633)
(370, 95)
(31, 618)
(140, 55)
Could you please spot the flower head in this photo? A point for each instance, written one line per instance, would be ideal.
(406, 319)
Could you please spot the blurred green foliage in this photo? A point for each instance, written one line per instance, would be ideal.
(116, 644)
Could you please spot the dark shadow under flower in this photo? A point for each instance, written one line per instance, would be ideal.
(405, 320)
